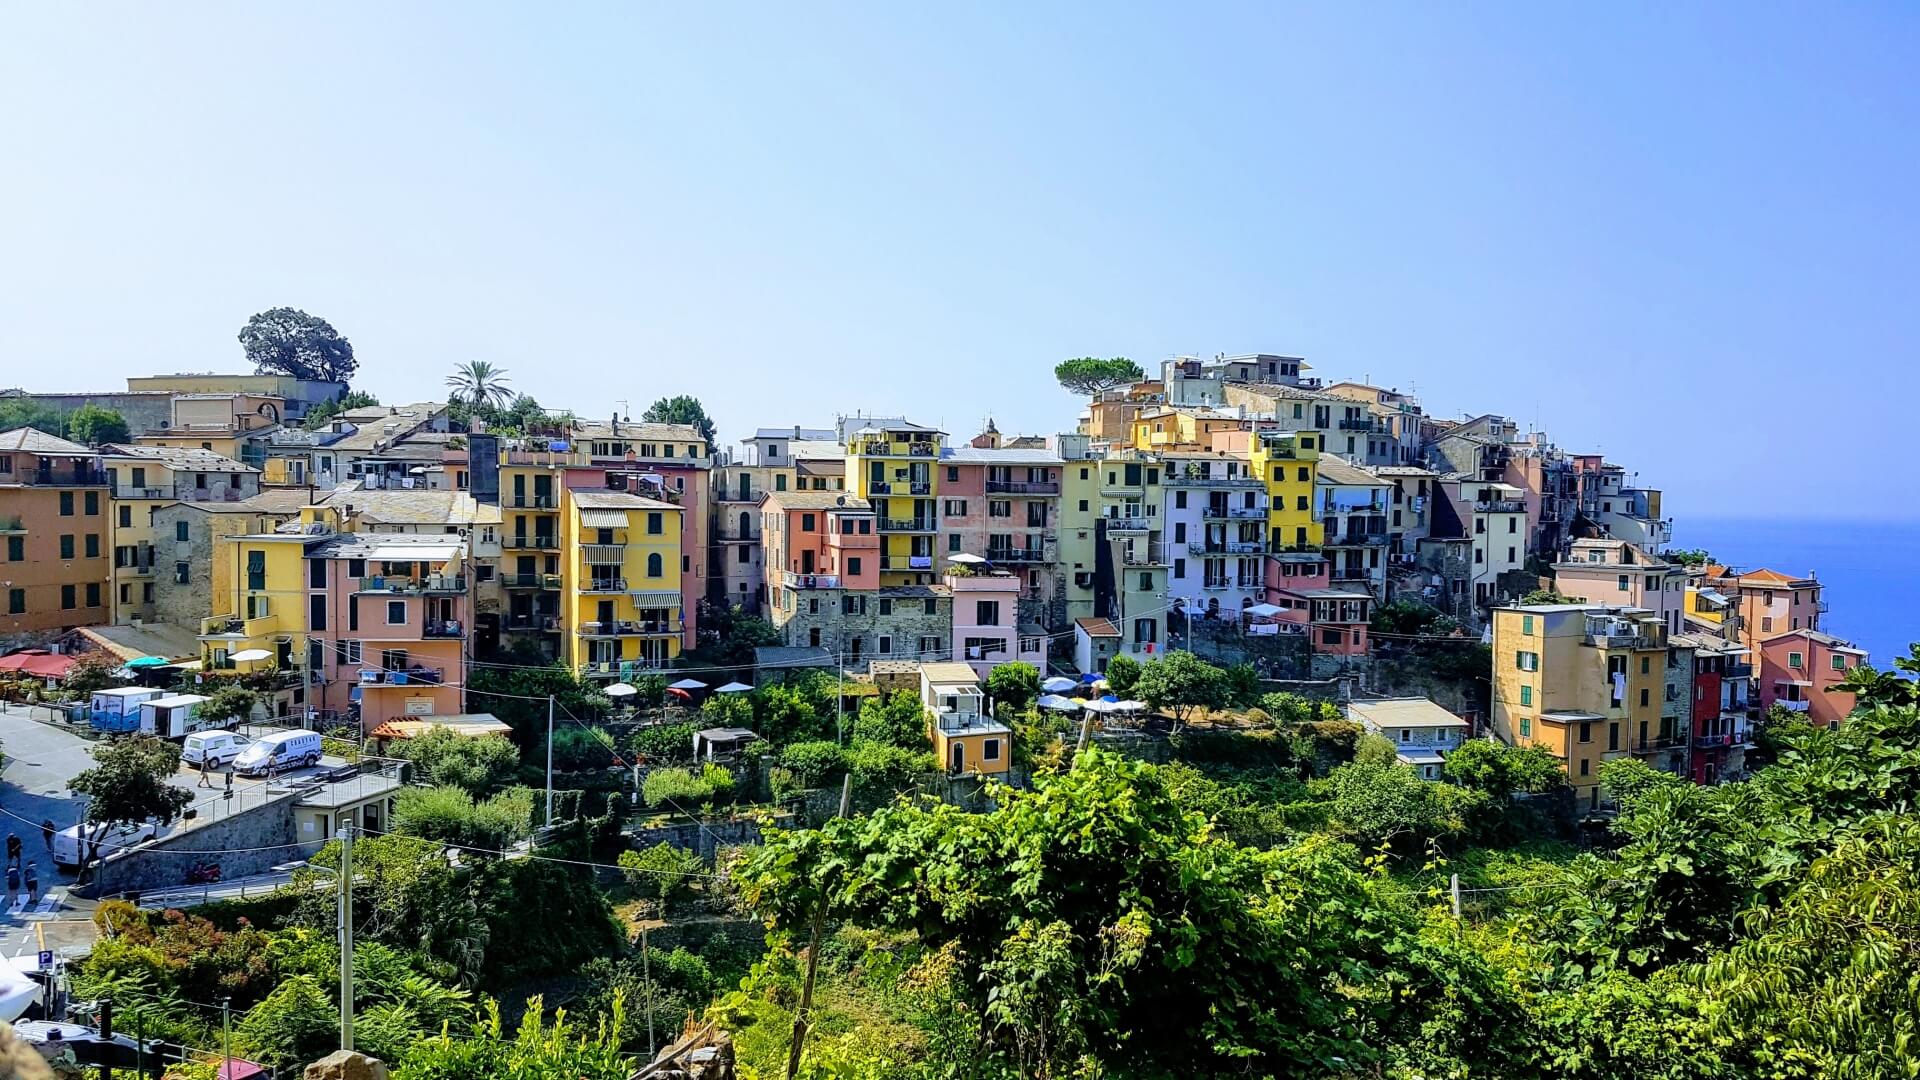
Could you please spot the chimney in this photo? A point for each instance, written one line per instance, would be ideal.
(796, 438)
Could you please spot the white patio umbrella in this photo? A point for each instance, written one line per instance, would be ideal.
(1097, 706)
(1128, 706)
(688, 684)
(245, 655)
(621, 689)
(1059, 684)
(733, 688)
(966, 559)
(1057, 703)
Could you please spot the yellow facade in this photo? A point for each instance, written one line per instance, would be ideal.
(896, 467)
(1288, 462)
(1704, 611)
(1180, 431)
(1585, 697)
(620, 594)
(971, 751)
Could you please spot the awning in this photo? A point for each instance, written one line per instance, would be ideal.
(734, 688)
(604, 519)
(1059, 684)
(147, 661)
(39, 663)
(246, 655)
(413, 552)
(688, 684)
(1262, 611)
(620, 689)
(966, 559)
(1057, 703)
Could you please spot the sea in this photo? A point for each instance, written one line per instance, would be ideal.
(1868, 568)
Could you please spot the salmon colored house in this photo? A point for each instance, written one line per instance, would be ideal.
(1798, 670)
(1334, 619)
(389, 624)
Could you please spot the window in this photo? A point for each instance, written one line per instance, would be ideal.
(1146, 582)
(1585, 766)
(1795, 660)
(66, 504)
(67, 597)
(1527, 661)
(1586, 731)
(93, 594)
(953, 541)
(1623, 583)
(182, 573)
(1513, 526)
(1526, 695)
(66, 546)
(1646, 664)
(1300, 503)
(1839, 662)
(396, 612)
(986, 613)
(1643, 697)
(990, 750)
(1526, 625)
(806, 522)
(316, 573)
(999, 508)
(16, 601)
(779, 481)
(656, 523)
(1180, 568)
(655, 565)
(1526, 728)
(1406, 735)
(886, 605)
(317, 611)
(930, 606)
(16, 548)
(93, 545)
(953, 474)
(886, 644)
(1180, 500)
(1766, 624)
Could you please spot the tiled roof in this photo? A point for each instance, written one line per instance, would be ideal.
(1332, 470)
(618, 500)
(178, 458)
(593, 429)
(417, 506)
(795, 434)
(1815, 636)
(34, 441)
(817, 500)
(1098, 627)
(970, 455)
(1404, 712)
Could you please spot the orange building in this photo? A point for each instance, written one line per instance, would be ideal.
(54, 555)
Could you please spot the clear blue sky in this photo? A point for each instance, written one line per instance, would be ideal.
(1685, 237)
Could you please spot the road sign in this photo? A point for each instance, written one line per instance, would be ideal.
(46, 959)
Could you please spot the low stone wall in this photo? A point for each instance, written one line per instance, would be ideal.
(705, 838)
(252, 841)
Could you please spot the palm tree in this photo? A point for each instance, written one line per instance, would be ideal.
(480, 384)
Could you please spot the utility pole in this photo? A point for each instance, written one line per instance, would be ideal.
(1455, 888)
(226, 1034)
(646, 972)
(106, 1032)
(803, 1017)
(346, 938)
(549, 821)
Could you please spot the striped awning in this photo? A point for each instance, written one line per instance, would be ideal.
(604, 519)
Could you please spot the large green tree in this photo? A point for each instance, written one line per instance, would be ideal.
(1180, 685)
(128, 785)
(681, 409)
(1088, 375)
(288, 341)
(480, 385)
(91, 425)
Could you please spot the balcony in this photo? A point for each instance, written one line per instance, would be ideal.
(530, 581)
(906, 562)
(603, 554)
(532, 502)
(411, 675)
(548, 623)
(1021, 555)
(879, 448)
(908, 525)
(229, 626)
(1128, 524)
(1235, 513)
(603, 585)
(1227, 547)
(443, 629)
(1500, 506)
(1665, 742)
(1714, 742)
(735, 535)
(74, 477)
(809, 581)
(1364, 423)
(1143, 555)
(630, 628)
(1620, 641)
(1794, 706)
(1354, 538)
(607, 669)
(1243, 480)
(432, 583)
(1219, 584)
(1023, 487)
(140, 492)
(1737, 671)
(536, 542)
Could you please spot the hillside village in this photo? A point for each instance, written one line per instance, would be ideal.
(619, 672)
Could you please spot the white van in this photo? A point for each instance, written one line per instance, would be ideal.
(278, 752)
(66, 842)
(216, 748)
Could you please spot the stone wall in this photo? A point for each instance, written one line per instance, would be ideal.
(906, 625)
(250, 841)
(183, 604)
(705, 838)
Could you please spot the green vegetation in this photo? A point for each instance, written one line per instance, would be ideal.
(1181, 685)
(451, 815)
(288, 341)
(681, 409)
(478, 384)
(321, 415)
(444, 759)
(1088, 375)
(92, 425)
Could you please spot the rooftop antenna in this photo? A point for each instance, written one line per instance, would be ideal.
(625, 412)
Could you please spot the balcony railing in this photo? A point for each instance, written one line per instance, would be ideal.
(906, 562)
(1354, 538)
(1196, 480)
(532, 502)
(80, 477)
(534, 543)
(1235, 513)
(1794, 706)
(1143, 555)
(1364, 423)
(411, 675)
(1020, 555)
(1738, 671)
(1023, 487)
(605, 669)
(908, 525)
(1620, 641)
(432, 583)
(630, 628)
(530, 581)
(809, 581)
(1129, 524)
(603, 585)
(878, 448)
(1664, 742)
(1710, 742)
(549, 623)
(443, 628)
(604, 554)
(1227, 547)
(1500, 506)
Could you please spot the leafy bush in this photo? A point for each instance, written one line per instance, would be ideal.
(880, 770)
(1013, 686)
(665, 743)
(1288, 708)
(661, 870)
(899, 720)
(813, 763)
(451, 816)
(444, 759)
(683, 789)
(1122, 673)
(578, 749)
(295, 1024)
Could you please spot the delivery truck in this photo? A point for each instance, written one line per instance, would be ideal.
(118, 709)
(173, 717)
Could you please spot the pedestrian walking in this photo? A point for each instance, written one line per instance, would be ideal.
(33, 883)
(13, 849)
(13, 884)
(206, 770)
(46, 834)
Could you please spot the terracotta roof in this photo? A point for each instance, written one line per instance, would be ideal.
(1818, 638)
(34, 441)
(1764, 577)
(1097, 627)
(177, 458)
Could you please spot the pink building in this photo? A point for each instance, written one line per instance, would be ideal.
(986, 629)
(1798, 670)
(1335, 620)
(1768, 602)
(1618, 574)
(1003, 504)
(389, 632)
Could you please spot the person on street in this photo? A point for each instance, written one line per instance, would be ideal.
(13, 849)
(206, 771)
(33, 883)
(46, 834)
(13, 884)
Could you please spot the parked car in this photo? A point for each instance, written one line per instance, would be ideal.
(217, 747)
(279, 751)
(67, 842)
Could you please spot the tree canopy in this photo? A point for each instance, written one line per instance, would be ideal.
(479, 385)
(92, 425)
(1181, 684)
(288, 341)
(1090, 375)
(681, 409)
(319, 416)
(128, 784)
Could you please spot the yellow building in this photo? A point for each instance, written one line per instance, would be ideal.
(966, 740)
(1288, 463)
(620, 589)
(145, 478)
(271, 597)
(894, 465)
(1189, 430)
(1132, 494)
(1586, 682)
(531, 566)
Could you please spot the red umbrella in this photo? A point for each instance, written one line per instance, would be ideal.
(682, 694)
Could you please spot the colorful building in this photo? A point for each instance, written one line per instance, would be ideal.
(1723, 705)
(1422, 733)
(669, 462)
(1334, 618)
(273, 603)
(54, 537)
(1003, 505)
(1767, 603)
(771, 461)
(987, 631)
(1617, 573)
(966, 740)
(621, 596)
(1799, 670)
(1352, 504)
(144, 479)
(824, 584)
(1287, 463)
(1588, 683)
(893, 465)
(1131, 588)
(389, 619)
(1215, 518)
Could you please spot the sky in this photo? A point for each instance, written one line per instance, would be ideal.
(1682, 235)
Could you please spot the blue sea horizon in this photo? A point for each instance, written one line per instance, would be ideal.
(1865, 565)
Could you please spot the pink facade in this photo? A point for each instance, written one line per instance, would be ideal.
(1772, 603)
(1615, 573)
(1798, 670)
(986, 630)
(816, 545)
(391, 634)
(1335, 620)
(1003, 505)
